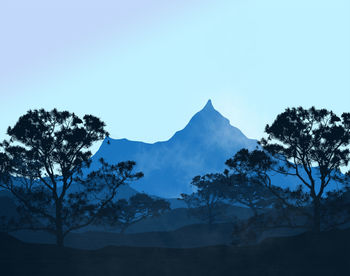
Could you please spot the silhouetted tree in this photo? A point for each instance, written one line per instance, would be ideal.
(248, 181)
(207, 202)
(251, 186)
(124, 213)
(335, 208)
(311, 144)
(4, 168)
(46, 157)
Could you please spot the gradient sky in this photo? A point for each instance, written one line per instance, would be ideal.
(145, 67)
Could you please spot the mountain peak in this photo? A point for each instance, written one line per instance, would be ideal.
(208, 123)
(201, 147)
(209, 105)
(208, 113)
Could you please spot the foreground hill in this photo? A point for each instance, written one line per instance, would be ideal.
(173, 229)
(196, 235)
(306, 254)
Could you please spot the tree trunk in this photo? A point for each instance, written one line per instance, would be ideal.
(124, 226)
(316, 227)
(210, 216)
(59, 239)
(59, 225)
(255, 211)
(122, 230)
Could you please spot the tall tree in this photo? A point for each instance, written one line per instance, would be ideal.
(311, 144)
(46, 156)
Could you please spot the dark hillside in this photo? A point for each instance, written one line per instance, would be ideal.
(196, 235)
(306, 254)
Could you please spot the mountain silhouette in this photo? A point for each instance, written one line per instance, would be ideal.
(201, 147)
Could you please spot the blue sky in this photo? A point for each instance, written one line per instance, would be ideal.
(145, 67)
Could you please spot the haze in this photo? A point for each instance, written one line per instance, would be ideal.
(145, 69)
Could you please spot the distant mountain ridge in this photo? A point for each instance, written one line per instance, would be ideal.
(201, 147)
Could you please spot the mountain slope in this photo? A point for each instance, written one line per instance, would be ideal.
(201, 147)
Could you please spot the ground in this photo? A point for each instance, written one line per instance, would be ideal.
(305, 254)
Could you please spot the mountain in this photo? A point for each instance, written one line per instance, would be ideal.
(201, 147)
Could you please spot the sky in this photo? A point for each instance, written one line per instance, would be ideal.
(146, 67)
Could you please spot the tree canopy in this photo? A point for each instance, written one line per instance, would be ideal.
(45, 158)
(126, 212)
(311, 144)
(248, 179)
(206, 202)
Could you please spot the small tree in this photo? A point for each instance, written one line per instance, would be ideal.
(248, 179)
(125, 213)
(207, 203)
(45, 156)
(335, 210)
(312, 145)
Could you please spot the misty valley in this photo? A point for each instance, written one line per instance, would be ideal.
(208, 201)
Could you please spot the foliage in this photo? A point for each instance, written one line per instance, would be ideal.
(206, 202)
(248, 179)
(312, 145)
(46, 156)
(124, 213)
